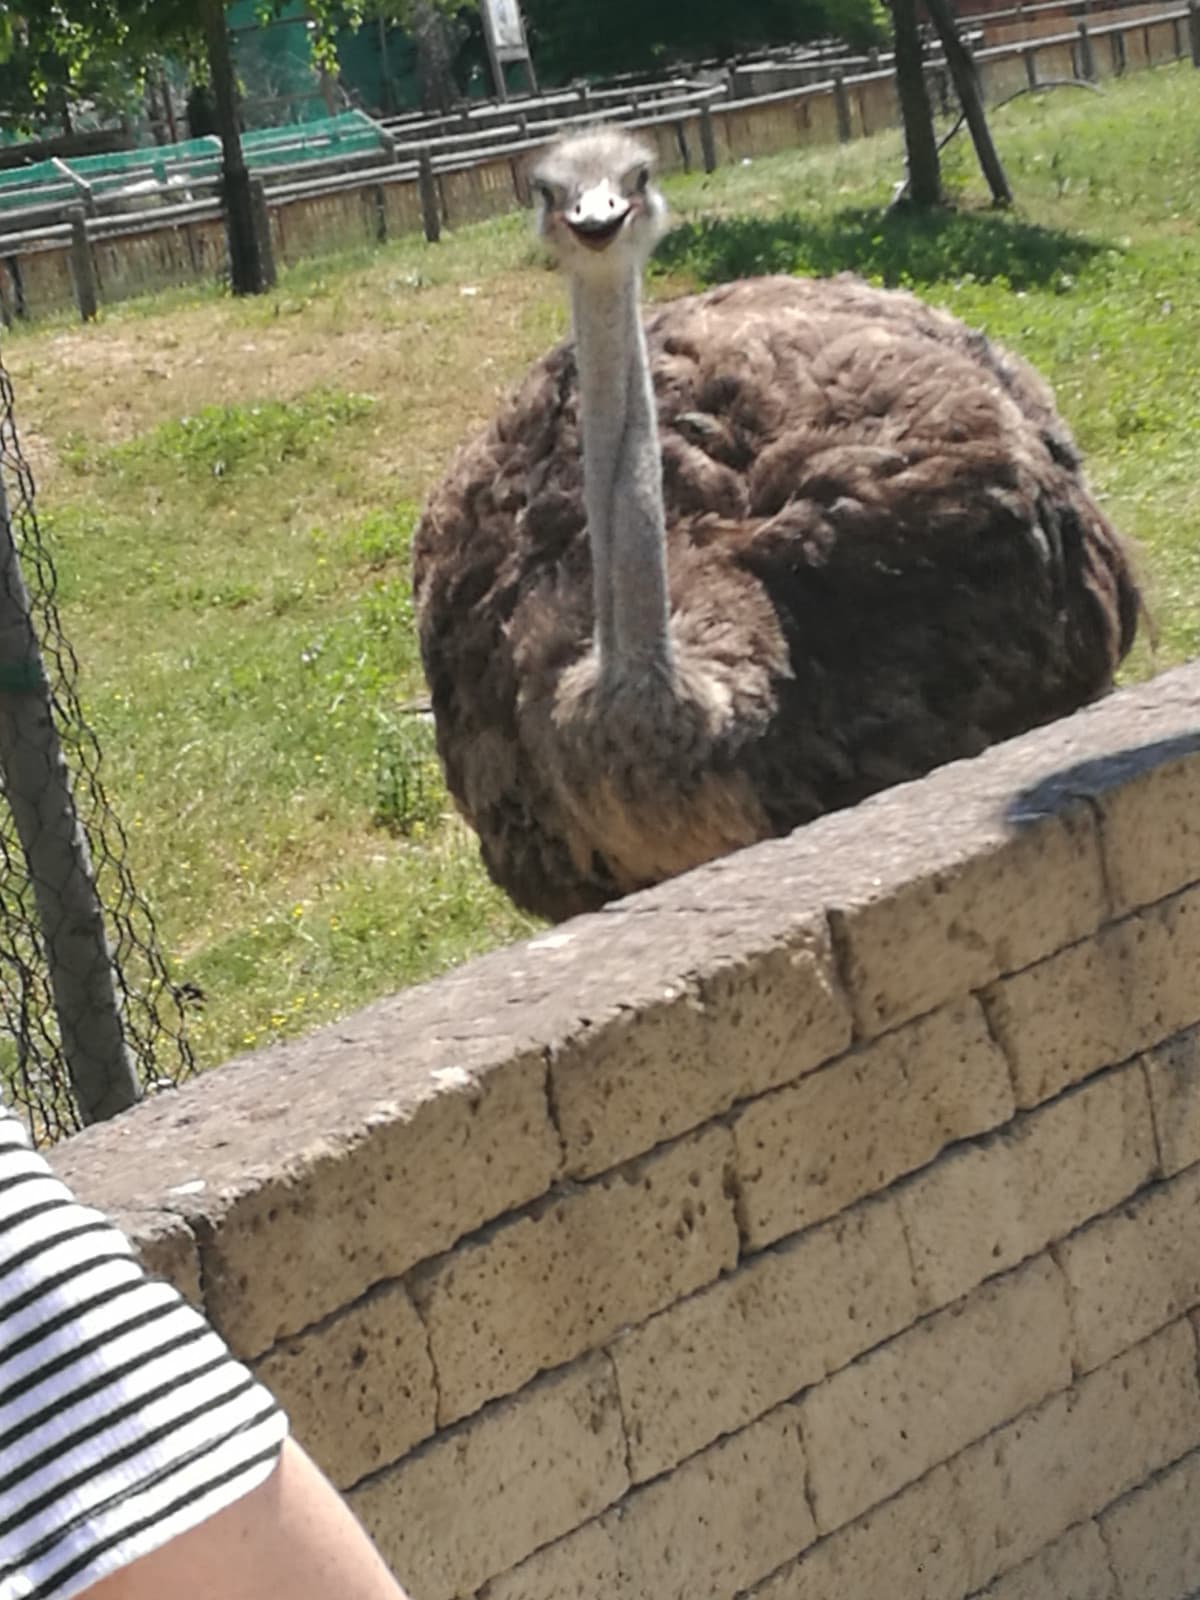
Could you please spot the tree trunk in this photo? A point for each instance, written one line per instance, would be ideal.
(920, 141)
(245, 259)
(164, 87)
(387, 88)
(431, 34)
(38, 789)
(966, 84)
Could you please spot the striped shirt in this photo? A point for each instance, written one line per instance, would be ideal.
(124, 1420)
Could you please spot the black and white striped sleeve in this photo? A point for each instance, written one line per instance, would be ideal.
(124, 1420)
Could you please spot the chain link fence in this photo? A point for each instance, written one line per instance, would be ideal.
(91, 1018)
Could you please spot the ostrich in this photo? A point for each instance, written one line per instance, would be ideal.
(709, 576)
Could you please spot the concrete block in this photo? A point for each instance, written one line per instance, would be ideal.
(907, 1405)
(1027, 1483)
(358, 1388)
(1132, 1272)
(541, 1288)
(955, 926)
(1150, 827)
(719, 1522)
(1173, 1073)
(909, 1548)
(1153, 1535)
(1074, 1567)
(785, 1319)
(984, 1208)
(314, 1171)
(751, 1020)
(713, 1526)
(1102, 1001)
(1134, 755)
(583, 1565)
(474, 1502)
(166, 1247)
(807, 1151)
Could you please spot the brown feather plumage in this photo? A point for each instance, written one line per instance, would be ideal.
(880, 545)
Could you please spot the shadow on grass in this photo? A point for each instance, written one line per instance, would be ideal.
(897, 247)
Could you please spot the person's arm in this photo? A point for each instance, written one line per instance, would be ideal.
(292, 1538)
(137, 1456)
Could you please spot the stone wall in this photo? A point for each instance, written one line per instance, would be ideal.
(824, 1225)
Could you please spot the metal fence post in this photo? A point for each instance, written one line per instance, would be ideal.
(38, 789)
(1194, 30)
(83, 267)
(1029, 57)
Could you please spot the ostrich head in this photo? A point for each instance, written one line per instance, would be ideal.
(597, 208)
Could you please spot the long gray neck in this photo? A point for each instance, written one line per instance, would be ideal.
(622, 481)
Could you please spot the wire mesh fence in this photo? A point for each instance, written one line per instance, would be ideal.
(91, 1016)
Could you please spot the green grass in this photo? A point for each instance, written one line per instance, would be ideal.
(230, 490)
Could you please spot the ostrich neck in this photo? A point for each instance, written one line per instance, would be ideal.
(622, 482)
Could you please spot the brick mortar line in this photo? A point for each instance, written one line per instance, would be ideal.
(192, 1226)
(1155, 1128)
(735, 1191)
(1113, 921)
(984, 1002)
(1109, 1558)
(433, 1366)
(460, 1426)
(563, 1188)
(1053, 1250)
(203, 1232)
(985, 1139)
(980, 1594)
(810, 1496)
(839, 945)
(610, 1362)
(1094, 806)
(913, 1278)
(552, 1111)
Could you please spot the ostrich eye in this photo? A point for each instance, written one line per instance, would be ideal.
(643, 179)
(544, 193)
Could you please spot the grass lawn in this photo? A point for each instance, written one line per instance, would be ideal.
(230, 489)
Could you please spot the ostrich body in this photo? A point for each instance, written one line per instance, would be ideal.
(707, 577)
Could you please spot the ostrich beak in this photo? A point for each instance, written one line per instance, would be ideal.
(598, 215)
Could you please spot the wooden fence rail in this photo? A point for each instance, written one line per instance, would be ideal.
(447, 181)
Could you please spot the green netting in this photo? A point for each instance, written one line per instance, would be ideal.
(294, 154)
(190, 160)
(310, 136)
(62, 192)
(39, 172)
(118, 161)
